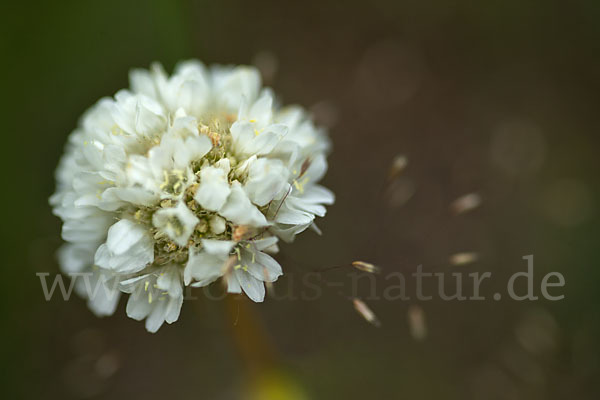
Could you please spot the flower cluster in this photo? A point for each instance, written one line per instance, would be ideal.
(183, 180)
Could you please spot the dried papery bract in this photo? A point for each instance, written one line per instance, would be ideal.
(240, 232)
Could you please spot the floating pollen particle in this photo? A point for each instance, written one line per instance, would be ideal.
(366, 267)
(365, 312)
(466, 203)
(463, 258)
(416, 322)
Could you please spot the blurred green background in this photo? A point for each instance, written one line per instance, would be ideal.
(496, 97)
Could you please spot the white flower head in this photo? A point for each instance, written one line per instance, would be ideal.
(183, 180)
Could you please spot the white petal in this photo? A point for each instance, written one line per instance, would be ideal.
(264, 243)
(217, 224)
(219, 247)
(272, 269)
(173, 309)
(104, 297)
(318, 194)
(232, 85)
(129, 248)
(214, 188)
(140, 173)
(293, 217)
(239, 210)
(233, 286)
(75, 258)
(140, 81)
(184, 126)
(254, 288)
(288, 232)
(149, 116)
(86, 229)
(262, 110)
(169, 280)
(204, 268)
(224, 164)
(133, 195)
(177, 222)
(316, 169)
(127, 263)
(157, 316)
(242, 168)
(123, 235)
(249, 140)
(265, 179)
(261, 266)
(138, 307)
(194, 148)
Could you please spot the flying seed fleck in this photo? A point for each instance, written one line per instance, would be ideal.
(416, 322)
(399, 163)
(366, 267)
(466, 203)
(463, 258)
(366, 312)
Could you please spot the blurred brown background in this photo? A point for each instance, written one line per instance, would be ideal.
(497, 97)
